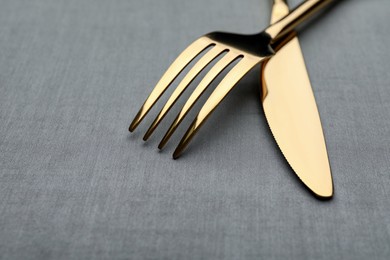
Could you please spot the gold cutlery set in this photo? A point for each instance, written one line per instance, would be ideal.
(287, 97)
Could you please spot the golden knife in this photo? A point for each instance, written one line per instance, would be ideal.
(291, 111)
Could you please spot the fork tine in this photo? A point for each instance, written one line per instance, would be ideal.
(224, 87)
(200, 89)
(198, 67)
(169, 76)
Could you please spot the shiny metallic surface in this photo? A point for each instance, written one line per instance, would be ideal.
(169, 76)
(292, 114)
(198, 67)
(251, 49)
(206, 81)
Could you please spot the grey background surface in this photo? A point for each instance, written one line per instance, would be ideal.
(74, 184)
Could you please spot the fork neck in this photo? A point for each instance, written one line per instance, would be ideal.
(296, 17)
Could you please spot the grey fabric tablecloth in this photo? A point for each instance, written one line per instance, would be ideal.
(74, 184)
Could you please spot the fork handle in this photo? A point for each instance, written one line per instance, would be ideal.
(296, 16)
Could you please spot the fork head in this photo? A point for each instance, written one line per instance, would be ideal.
(248, 49)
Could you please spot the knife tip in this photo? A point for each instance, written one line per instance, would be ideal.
(324, 195)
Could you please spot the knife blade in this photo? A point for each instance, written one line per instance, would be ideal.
(291, 112)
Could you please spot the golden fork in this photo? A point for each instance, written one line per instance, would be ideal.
(250, 50)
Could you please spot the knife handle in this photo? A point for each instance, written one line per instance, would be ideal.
(297, 16)
(279, 10)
